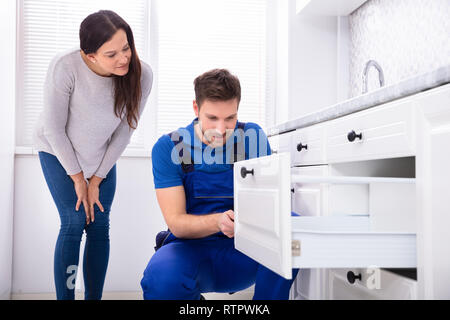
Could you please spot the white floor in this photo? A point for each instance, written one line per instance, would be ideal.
(241, 295)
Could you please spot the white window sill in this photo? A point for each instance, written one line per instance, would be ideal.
(128, 153)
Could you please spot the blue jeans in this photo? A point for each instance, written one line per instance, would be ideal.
(73, 223)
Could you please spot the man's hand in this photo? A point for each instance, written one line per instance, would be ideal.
(226, 223)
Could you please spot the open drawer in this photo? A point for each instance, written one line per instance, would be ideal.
(266, 231)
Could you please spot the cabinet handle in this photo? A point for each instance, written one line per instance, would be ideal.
(352, 136)
(244, 172)
(301, 146)
(351, 277)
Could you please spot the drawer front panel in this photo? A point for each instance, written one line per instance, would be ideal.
(307, 146)
(375, 284)
(378, 133)
(263, 211)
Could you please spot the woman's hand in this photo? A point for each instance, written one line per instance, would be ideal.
(93, 195)
(81, 189)
(226, 223)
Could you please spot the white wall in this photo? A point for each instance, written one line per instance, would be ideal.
(135, 220)
(318, 61)
(406, 37)
(7, 92)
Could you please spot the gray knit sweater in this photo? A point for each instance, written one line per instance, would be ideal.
(78, 124)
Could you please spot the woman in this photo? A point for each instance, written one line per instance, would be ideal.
(92, 102)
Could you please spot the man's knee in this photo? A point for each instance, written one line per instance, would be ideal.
(166, 280)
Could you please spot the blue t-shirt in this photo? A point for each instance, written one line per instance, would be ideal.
(167, 170)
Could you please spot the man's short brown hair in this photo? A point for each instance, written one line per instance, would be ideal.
(217, 85)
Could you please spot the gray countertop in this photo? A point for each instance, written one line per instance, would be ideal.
(371, 99)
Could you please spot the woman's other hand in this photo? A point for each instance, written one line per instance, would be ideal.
(81, 189)
(93, 195)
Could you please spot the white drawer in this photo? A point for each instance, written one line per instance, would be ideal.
(307, 146)
(266, 232)
(382, 132)
(374, 284)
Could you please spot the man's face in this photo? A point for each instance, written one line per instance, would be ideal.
(217, 120)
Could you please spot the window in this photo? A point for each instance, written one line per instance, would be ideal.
(198, 35)
(181, 40)
(47, 27)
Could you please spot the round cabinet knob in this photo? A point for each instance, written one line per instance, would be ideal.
(245, 172)
(351, 277)
(351, 136)
(301, 146)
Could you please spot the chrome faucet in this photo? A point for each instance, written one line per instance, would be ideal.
(369, 64)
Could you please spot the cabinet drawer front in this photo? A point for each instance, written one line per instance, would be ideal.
(307, 146)
(374, 284)
(340, 242)
(383, 132)
(262, 208)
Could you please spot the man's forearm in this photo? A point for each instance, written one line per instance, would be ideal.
(191, 226)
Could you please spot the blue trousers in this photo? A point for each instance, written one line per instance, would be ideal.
(183, 269)
(73, 223)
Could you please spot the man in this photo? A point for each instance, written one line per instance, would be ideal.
(193, 175)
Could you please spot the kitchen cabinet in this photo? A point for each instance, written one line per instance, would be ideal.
(357, 210)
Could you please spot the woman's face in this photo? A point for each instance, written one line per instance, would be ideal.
(114, 56)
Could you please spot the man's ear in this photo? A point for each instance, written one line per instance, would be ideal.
(196, 108)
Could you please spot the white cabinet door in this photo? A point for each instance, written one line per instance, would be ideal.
(265, 230)
(262, 208)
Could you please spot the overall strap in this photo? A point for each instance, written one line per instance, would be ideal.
(239, 147)
(187, 162)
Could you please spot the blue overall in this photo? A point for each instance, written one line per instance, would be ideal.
(185, 268)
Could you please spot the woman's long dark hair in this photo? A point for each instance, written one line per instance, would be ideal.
(95, 30)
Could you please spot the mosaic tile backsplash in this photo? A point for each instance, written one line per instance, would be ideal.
(406, 37)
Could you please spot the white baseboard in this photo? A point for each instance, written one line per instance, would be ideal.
(79, 295)
(241, 295)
